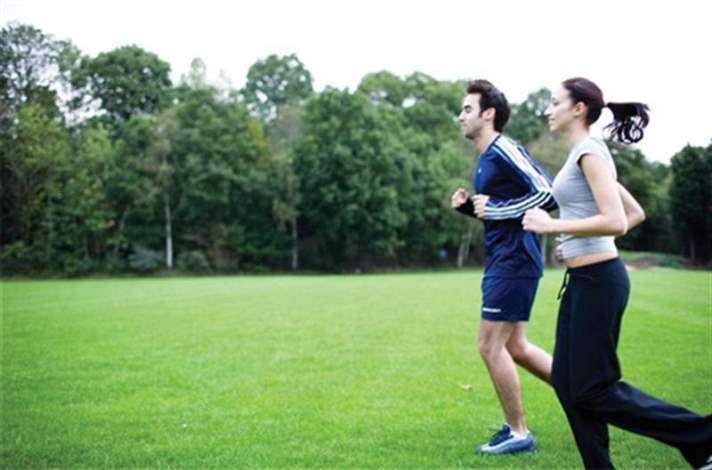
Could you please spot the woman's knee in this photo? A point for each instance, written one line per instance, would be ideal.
(561, 386)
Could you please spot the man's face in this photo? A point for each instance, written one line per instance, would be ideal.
(471, 122)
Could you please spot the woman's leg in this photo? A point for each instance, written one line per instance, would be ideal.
(600, 295)
(590, 433)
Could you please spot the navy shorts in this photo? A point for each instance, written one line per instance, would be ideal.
(508, 299)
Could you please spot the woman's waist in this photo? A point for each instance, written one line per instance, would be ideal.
(580, 249)
(589, 258)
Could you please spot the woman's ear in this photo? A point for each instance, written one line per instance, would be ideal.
(580, 109)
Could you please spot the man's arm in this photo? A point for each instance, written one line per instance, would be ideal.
(461, 202)
(520, 168)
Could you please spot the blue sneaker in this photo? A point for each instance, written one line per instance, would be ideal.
(504, 442)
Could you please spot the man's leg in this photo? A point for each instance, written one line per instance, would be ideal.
(493, 337)
(528, 355)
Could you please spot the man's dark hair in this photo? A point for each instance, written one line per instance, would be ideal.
(491, 97)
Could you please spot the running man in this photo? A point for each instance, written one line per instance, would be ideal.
(508, 182)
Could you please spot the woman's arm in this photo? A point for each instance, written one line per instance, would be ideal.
(634, 213)
(611, 219)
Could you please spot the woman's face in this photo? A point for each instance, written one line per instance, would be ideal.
(561, 112)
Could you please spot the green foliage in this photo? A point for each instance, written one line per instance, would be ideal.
(691, 200)
(126, 81)
(33, 67)
(33, 165)
(550, 150)
(270, 176)
(647, 183)
(384, 87)
(527, 121)
(346, 164)
(276, 81)
(145, 259)
(193, 261)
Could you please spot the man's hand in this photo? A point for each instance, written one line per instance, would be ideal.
(458, 198)
(480, 200)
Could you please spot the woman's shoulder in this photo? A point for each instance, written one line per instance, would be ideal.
(591, 146)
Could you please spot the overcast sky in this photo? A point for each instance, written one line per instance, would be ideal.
(654, 52)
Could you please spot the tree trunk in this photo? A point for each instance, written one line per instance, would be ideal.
(122, 223)
(169, 235)
(295, 246)
(542, 244)
(691, 242)
(465, 240)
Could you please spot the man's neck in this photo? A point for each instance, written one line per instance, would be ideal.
(485, 139)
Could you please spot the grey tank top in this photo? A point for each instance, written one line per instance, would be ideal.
(576, 201)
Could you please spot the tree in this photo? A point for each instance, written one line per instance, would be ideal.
(647, 182)
(163, 135)
(283, 135)
(223, 193)
(127, 81)
(276, 81)
(33, 67)
(384, 87)
(131, 192)
(349, 214)
(432, 106)
(527, 121)
(691, 200)
(34, 152)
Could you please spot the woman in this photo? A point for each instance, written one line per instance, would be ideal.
(594, 209)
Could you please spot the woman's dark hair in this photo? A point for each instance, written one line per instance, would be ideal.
(629, 119)
(491, 97)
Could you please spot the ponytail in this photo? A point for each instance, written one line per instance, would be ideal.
(629, 120)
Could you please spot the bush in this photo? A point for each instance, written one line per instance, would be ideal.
(194, 261)
(145, 259)
(17, 258)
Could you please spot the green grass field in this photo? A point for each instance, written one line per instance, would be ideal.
(309, 371)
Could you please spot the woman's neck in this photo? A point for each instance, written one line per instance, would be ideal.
(576, 135)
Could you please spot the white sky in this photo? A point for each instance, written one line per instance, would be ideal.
(649, 51)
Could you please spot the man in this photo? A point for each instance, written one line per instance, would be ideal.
(508, 182)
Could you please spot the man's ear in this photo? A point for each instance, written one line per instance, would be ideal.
(488, 114)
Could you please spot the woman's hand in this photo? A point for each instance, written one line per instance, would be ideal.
(538, 220)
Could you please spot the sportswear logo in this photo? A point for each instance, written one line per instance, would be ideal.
(492, 310)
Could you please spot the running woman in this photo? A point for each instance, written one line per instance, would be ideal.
(586, 373)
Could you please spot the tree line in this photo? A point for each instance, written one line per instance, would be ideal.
(109, 166)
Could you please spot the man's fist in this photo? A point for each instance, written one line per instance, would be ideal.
(480, 200)
(458, 198)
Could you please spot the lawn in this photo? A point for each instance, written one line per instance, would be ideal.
(309, 371)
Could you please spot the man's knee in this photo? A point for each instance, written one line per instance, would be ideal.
(518, 351)
(488, 347)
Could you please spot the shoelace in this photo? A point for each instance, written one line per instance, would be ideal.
(500, 436)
